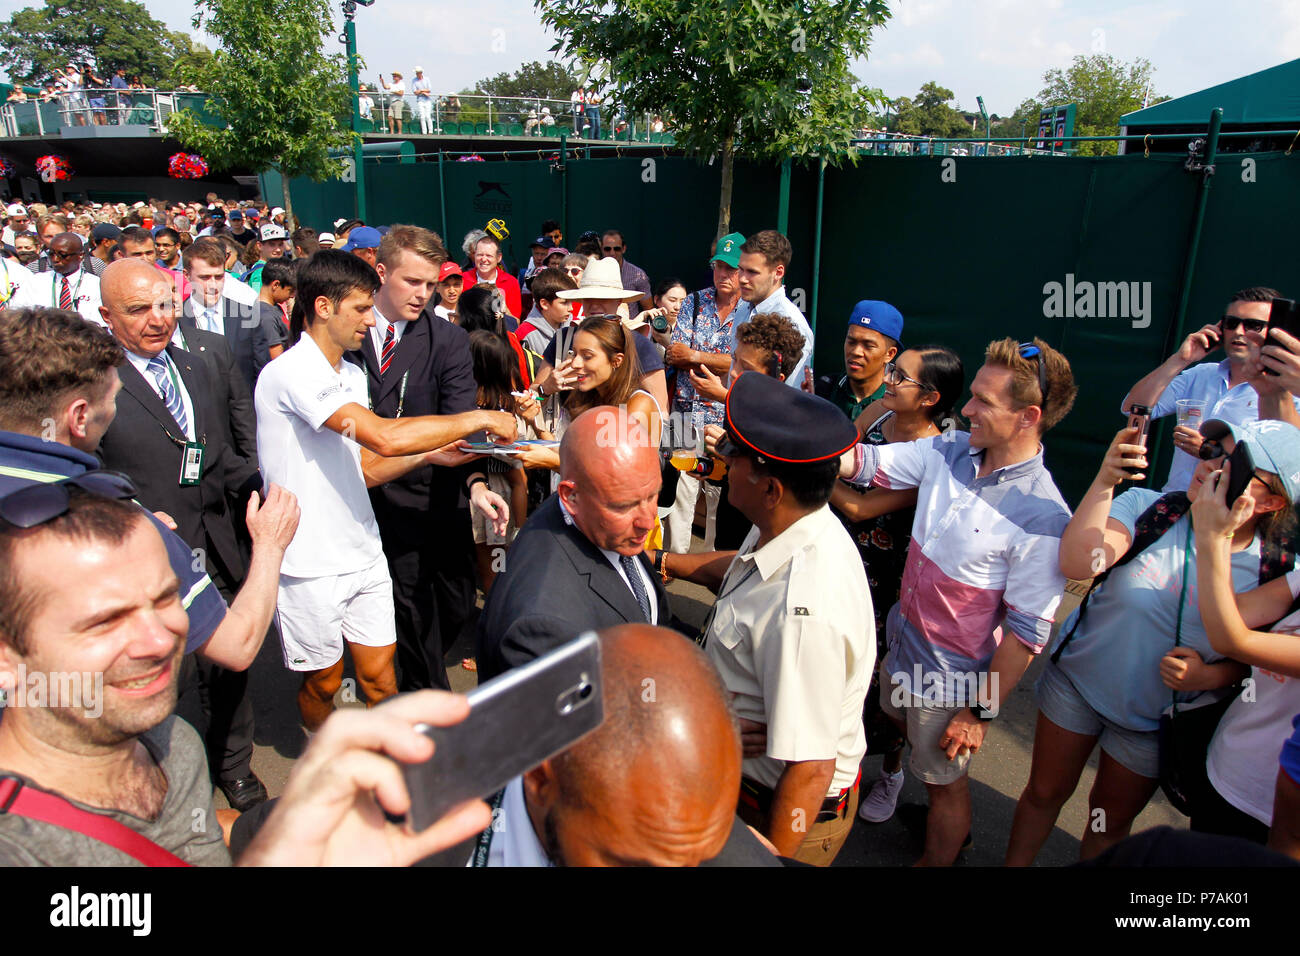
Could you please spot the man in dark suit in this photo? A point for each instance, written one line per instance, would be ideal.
(420, 364)
(172, 436)
(220, 304)
(579, 562)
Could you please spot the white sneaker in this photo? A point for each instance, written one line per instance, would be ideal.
(880, 802)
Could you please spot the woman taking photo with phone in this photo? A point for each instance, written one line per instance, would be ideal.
(1138, 642)
(1242, 764)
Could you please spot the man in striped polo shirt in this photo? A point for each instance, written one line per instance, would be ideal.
(984, 552)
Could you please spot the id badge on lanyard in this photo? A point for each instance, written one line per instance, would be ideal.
(192, 463)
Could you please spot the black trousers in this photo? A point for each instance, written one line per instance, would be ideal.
(433, 594)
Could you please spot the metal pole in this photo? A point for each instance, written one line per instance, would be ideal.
(1198, 221)
(564, 181)
(491, 129)
(817, 243)
(783, 200)
(442, 193)
(1176, 332)
(354, 84)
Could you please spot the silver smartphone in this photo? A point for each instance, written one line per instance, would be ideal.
(516, 721)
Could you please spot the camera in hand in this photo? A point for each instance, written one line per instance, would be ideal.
(1139, 417)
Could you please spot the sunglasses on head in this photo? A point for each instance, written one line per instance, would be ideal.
(1030, 351)
(1230, 323)
(36, 504)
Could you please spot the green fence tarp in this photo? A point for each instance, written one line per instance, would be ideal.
(965, 247)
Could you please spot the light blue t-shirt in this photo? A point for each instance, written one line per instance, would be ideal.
(1114, 658)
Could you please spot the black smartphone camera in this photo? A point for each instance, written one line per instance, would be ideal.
(1284, 315)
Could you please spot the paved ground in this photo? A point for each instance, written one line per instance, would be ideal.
(997, 777)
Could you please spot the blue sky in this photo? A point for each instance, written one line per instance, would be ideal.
(995, 48)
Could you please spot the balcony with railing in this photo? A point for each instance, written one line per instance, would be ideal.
(138, 112)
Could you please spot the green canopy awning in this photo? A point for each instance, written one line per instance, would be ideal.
(1270, 96)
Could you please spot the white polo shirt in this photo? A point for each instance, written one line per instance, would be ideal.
(337, 532)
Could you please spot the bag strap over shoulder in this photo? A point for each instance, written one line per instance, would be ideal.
(25, 801)
(1147, 530)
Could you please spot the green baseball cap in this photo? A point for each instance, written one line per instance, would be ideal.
(729, 249)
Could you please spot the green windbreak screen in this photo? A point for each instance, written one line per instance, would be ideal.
(967, 248)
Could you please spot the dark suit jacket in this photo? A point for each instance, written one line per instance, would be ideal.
(433, 355)
(145, 442)
(231, 393)
(556, 585)
(241, 324)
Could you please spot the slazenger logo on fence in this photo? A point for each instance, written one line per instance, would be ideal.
(1098, 300)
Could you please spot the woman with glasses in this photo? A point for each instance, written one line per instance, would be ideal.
(1242, 762)
(1139, 643)
(921, 387)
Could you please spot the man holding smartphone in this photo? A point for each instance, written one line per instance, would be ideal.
(1226, 389)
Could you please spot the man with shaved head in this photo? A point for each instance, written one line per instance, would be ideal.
(173, 436)
(66, 285)
(655, 785)
(578, 563)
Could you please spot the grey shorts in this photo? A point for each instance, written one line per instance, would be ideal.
(925, 725)
(1061, 703)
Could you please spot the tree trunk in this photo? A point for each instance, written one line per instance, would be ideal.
(289, 222)
(724, 199)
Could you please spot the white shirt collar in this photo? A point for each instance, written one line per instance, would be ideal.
(514, 841)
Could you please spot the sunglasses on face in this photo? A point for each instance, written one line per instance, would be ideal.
(1230, 323)
(37, 504)
(1029, 350)
(63, 256)
(612, 248)
(894, 376)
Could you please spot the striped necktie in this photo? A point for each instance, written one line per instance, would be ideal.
(635, 583)
(386, 355)
(65, 293)
(158, 367)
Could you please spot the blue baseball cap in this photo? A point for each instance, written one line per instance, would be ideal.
(1274, 445)
(362, 237)
(879, 317)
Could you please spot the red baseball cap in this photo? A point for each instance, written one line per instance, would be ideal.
(448, 270)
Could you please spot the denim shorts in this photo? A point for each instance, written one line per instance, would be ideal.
(1062, 704)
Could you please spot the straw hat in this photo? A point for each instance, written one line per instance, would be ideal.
(602, 279)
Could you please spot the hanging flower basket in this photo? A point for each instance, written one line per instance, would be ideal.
(54, 169)
(6, 167)
(187, 166)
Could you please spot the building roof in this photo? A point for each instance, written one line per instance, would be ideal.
(1270, 96)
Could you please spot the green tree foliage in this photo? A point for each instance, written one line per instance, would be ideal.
(929, 114)
(766, 78)
(108, 34)
(1104, 89)
(282, 100)
(548, 81)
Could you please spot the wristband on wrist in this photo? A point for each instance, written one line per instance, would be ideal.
(469, 485)
(981, 712)
(661, 565)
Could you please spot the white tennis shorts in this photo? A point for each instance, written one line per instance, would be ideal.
(316, 615)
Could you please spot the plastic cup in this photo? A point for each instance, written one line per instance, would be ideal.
(1189, 411)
